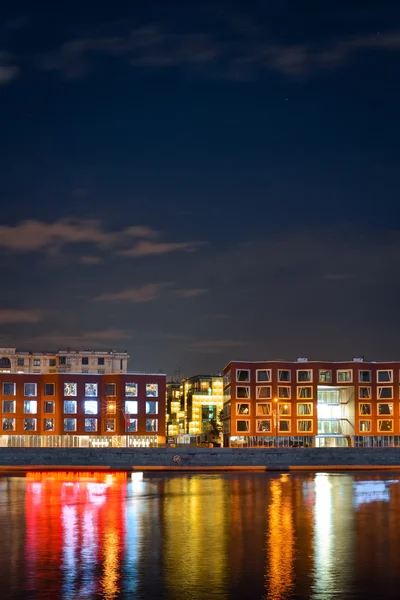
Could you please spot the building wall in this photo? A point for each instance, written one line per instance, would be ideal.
(381, 392)
(109, 406)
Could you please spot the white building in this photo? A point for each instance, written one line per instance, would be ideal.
(63, 361)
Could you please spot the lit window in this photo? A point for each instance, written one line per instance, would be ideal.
(385, 376)
(365, 426)
(325, 376)
(49, 407)
(263, 375)
(344, 375)
(364, 393)
(30, 389)
(263, 425)
(385, 408)
(151, 425)
(242, 426)
(284, 409)
(36, 362)
(151, 390)
(364, 376)
(242, 375)
(131, 390)
(8, 406)
(263, 408)
(49, 389)
(8, 424)
(69, 425)
(109, 425)
(284, 425)
(90, 425)
(242, 391)
(304, 425)
(151, 408)
(386, 425)
(284, 392)
(91, 390)
(385, 393)
(90, 407)
(284, 375)
(131, 407)
(131, 425)
(304, 392)
(70, 389)
(263, 391)
(304, 375)
(227, 378)
(29, 424)
(243, 409)
(110, 389)
(8, 389)
(30, 407)
(48, 424)
(305, 408)
(70, 407)
(365, 409)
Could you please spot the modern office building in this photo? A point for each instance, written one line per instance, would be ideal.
(202, 400)
(79, 409)
(63, 361)
(306, 403)
(175, 408)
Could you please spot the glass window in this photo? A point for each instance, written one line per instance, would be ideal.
(8, 389)
(30, 389)
(344, 375)
(284, 375)
(304, 375)
(284, 392)
(8, 424)
(20, 362)
(110, 389)
(29, 424)
(243, 426)
(8, 406)
(49, 389)
(52, 362)
(69, 425)
(70, 389)
(325, 376)
(263, 425)
(227, 378)
(131, 425)
(304, 425)
(386, 425)
(90, 425)
(62, 360)
(242, 409)
(70, 407)
(263, 391)
(151, 408)
(131, 407)
(385, 393)
(85, 360)
(131, 390)
(304, 392)
(100, 362)
(365, 409)
(364, 376)
(109, 425)
(364, 392)
(49, 407)
(90, 407)
(48, 424)
(304, 408)
(365, 426)
(242, 391)
(263, 408)
(30, 407)
(263, 375)
(36, 362)
(91, 390)
(284, 409)
(385, 376)
(242, 375)
(284, 425)
(151, 425)
(152, 390)
(385, 408)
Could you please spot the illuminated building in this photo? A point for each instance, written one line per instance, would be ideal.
(304, 403)
(175, 409)
(63, 361)
(202, 398)
(82, 410)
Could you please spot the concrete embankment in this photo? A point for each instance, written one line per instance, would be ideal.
(199, 459)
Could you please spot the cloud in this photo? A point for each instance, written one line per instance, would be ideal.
(140, 294)
(90, 260)
(8, 70)
(190, 293)
(39, 236)
(12, 316)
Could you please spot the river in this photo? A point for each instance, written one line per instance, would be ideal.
(193, 537)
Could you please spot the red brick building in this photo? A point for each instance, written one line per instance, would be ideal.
(312, 403)
(82, 409)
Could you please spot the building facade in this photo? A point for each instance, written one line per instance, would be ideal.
(175, 409)
(77, 409)
(306, 403)
(63, 361)
(202, 399)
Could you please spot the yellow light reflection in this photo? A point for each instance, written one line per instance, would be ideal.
(109, 581)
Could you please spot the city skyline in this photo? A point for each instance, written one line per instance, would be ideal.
(200, 185)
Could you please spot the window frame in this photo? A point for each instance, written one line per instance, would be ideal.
(280, 380)
(148, 395)
(310, 371)
(9, 383)
(30, 419)
(390, 404)
(128, 412)
(92, 419)
(342, 371)
(369, 421)
(305, 430)
(243, 387)
(14, 423)
(269, 375)
(151, 402)
(8, 412)
(259, 421)
(87, 389)
(242, 421)
(288, 387)
(49, 395)
(311, 414)
(133, 395)
(30, 413)
(365, 387)
(238, 404)
(281, 406)
(268, 404)
(30, 395)
(384, 387)
(330, 380)
(70, 413)
(361, 414)
(243, 380)
(151, 430)
(261, 387)
(304, 387)
(364, 380)
(386, 421)
(72, 394)
(390, 371)
(280, 421)
(85, 402)
(74, 419)
(114, 387)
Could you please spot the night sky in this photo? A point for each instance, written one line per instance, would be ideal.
(199, 182)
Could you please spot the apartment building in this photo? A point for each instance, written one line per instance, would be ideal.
(63, 361)
(202, 399)
(82, 409)
(304, 403)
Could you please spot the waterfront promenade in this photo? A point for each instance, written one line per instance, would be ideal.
(195, 459)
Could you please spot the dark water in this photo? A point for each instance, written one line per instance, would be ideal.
(238, 536)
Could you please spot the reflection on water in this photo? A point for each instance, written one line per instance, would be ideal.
(272, 537)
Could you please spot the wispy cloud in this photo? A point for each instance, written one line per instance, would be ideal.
(190, 293)
(8, 69)
(12, 316)
(90, 260)
(148, 248)
(135, 295)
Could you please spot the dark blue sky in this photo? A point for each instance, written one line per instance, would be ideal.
(201, 183)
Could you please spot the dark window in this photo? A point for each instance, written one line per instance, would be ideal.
(100, 361)
(8, 389)
(85, 360)
(20, 362)
(52, 362)
(5, 363)
(49, 389)
(110, 389)
(62, 360)
(49, 407)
